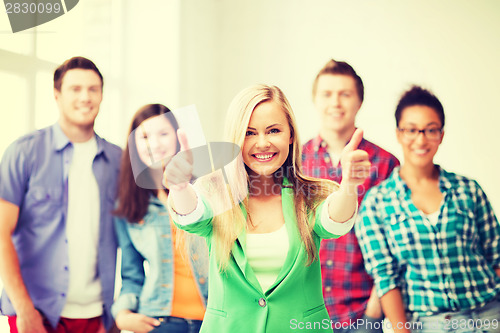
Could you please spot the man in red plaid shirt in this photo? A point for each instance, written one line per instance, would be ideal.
(347, 288)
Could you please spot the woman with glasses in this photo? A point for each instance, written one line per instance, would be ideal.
(429, 237)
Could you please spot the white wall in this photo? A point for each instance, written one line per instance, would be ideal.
(203, 52)
(450, 47)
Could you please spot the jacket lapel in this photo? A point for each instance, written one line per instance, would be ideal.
(240, 257)
(294, 240)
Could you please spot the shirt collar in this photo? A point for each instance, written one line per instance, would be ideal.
(61, 141)
(319, 143)
(101, 149)
(444, 181)
(399, 184)
(401, 187)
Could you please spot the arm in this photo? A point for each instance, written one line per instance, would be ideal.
(343, 204)
(28, 318)
(379, 261)
(355, 168)
(488, 227)
(183, 200)
(199, 221)
(325, 226)
(394, 309)
(186, 207)
(339, 210)
(132, 272)
(373, 306)
(176, 177)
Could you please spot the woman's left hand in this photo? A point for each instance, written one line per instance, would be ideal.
(355, 162)
(355, 169)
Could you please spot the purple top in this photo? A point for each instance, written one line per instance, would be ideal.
(34, 176)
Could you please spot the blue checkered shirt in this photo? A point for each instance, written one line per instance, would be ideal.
(447, 266)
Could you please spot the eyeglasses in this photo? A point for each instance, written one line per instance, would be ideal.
(433, 134)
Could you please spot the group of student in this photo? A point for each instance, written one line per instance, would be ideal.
(282, 256)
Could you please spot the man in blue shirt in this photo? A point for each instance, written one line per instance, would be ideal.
(57, 191)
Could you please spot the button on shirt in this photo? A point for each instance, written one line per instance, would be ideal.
(441, 267)
(346, 285)
(33, 176)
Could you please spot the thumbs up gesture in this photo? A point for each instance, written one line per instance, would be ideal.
(355, 162)
(179, 170)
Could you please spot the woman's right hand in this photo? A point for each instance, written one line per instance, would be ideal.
(135, 322)
(177, 175)
(179, 169)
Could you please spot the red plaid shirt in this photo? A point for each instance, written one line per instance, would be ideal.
(346, 285)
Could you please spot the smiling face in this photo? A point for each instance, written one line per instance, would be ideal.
(79, 98)
(337, 101)
(419, 152)
(156, 139)
(267, 140)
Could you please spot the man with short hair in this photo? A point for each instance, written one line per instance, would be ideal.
(57, 191)
(338, 93)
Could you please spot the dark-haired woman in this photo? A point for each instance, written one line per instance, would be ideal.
(430, 237)
(164, 270)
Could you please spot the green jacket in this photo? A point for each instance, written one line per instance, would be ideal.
(236, 302)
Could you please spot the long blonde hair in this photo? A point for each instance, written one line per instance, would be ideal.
(308, 192)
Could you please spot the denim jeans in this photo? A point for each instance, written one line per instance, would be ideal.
(364, 324)
(485, 319)
(177, 325)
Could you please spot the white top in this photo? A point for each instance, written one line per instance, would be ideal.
(83, 299)
(266, 254)
(433, 217)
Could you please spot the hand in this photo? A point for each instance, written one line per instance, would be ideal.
(179, 170)
(136, 322)
(30, 321)
(355, 162)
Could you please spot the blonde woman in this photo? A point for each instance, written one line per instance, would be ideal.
(264, 271)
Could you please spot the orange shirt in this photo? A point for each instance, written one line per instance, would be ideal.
(187, 301)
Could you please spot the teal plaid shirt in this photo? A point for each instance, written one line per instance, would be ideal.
(447, 266)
